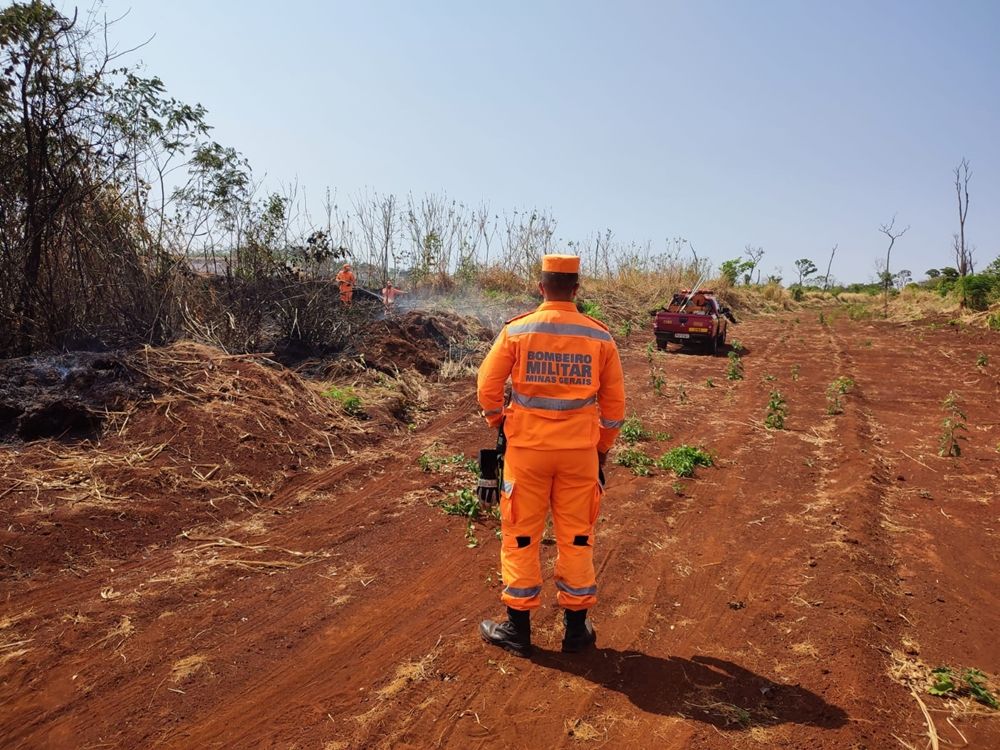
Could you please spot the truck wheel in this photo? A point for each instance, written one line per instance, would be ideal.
(714, 346)
(661, 345)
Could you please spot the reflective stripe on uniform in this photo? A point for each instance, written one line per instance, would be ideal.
(560, 329)
(523, 593)
(587, 591)
(492, 412)
(508, 487)
(551, 404)
(611, 424)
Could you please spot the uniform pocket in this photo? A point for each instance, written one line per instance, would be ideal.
(507, 514)
(595, 503)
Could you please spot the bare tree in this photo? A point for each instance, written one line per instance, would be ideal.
(826, 279)
(380, 222)
(963, 253)
(754, 255)
(890, 231)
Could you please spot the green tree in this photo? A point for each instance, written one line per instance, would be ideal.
(805, 268)
(734, 268)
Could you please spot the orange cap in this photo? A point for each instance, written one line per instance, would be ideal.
(561, 263)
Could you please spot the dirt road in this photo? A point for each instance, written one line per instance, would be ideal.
(767, 602)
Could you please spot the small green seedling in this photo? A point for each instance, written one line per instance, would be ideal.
(710, 383)
(982, 360)
(658, 382)
(839, 387)
(734, 370)
(952, 424)
(682, 396)
(795, 373)
(736, 345)
(777, 411)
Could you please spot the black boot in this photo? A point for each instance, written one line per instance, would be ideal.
(514, 635)
(580, 634)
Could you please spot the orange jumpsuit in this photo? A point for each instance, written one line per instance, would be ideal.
(567, 403)
(346, 278)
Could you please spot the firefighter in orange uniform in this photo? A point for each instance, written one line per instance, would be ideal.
(566, 409)
(346, 279)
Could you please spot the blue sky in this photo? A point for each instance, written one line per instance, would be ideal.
(789, 125)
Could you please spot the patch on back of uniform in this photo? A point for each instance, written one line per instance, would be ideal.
(518, 317)
(595, 320)
(581, 540)
(523, 541)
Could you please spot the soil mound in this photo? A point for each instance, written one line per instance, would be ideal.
(422, 341)
(188, 434)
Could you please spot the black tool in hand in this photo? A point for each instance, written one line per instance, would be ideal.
(488, 490)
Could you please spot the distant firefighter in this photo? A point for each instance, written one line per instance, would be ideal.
(346, 279)
(389, 294)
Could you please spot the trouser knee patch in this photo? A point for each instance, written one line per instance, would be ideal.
(523, 541)
(581, 540)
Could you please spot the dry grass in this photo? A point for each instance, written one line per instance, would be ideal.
(189, 665)
(582, 731)
(117, 636)
(13, 645)
(407, 673)
(208, 548)
(805, 649)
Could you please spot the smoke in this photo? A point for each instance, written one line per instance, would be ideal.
(490, 310)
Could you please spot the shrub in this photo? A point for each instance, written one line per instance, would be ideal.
(591, 308)
(634, 459)
(349, 401)
(633, 431)
(683, 459)
(976, 291)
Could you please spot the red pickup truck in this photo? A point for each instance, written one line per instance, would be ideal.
(693, 318)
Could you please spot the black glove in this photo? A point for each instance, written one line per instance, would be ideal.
(487, 490)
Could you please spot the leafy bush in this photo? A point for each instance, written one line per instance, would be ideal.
(976, 291)
(683, 459)
(349, 401)
(634, 459)
(633, 431)
(944, 683)
(591, 308)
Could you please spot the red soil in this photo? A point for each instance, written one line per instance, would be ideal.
(214, 573)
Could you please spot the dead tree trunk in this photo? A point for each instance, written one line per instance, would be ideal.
(963, 256)
(889, 231)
